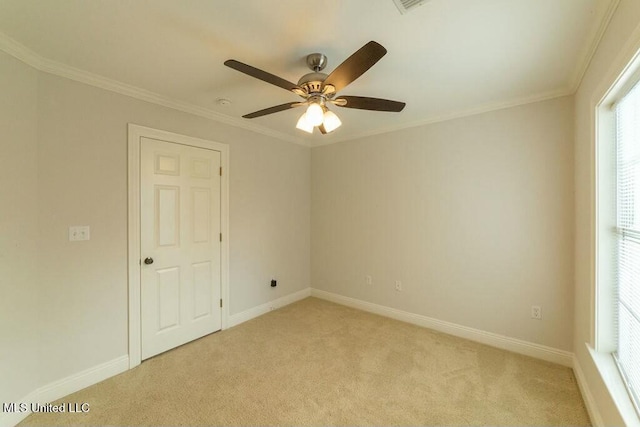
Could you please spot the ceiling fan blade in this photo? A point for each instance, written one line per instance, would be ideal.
(365, 103)
(263, 75)
(271, 110)
(355, 65)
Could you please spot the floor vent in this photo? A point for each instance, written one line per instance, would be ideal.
(405, 6)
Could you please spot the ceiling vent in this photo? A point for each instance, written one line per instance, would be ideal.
(405, 6)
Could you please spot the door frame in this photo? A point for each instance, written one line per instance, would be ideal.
(135, 133)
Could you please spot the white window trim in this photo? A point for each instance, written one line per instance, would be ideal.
(605, 298)
(610, 375)
(603, 342)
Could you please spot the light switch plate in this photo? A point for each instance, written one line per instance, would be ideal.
(78, 232)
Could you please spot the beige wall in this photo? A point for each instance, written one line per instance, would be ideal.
(18, 229)
(603, 68)
(474, 216)
(81, 179)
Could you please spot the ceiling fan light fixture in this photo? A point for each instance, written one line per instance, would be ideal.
(314, 114)
(331, 121)
(303, 124)
(318, 89)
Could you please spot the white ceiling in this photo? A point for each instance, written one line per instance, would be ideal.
(446, 58)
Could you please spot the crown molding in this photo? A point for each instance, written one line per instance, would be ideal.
(590, 49)
(576, 81)
(31, 58)
(20, 52)
(457, 115)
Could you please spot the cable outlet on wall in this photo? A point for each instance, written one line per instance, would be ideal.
(368, 280)
(78, 232)
(398, 285)
(536, 312)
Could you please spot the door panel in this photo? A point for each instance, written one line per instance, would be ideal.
(201, 289)
(179, 224)
(201, 198)
(168, 282)
(167, 215)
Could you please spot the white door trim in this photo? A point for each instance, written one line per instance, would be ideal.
(135, 133)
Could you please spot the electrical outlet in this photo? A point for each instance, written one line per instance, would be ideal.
(78, 232)
(536, 312)
(398, 285)
(368, 280)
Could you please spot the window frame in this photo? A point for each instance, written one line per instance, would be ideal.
(605, 299)
(633, 85)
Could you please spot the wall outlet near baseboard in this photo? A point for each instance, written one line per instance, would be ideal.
(398, 285)
(368, 280)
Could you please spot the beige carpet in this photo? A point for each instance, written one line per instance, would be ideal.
(318, 363)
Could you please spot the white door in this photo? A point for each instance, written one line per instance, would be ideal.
(179, 244)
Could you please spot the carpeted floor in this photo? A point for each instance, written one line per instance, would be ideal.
(318, 363)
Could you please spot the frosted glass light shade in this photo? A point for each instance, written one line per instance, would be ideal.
(303, 124)
(331, 121)
(314, 114)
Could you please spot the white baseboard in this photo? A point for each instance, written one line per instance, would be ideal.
(83, 379)
(587, 396)
(88, 377)
(94, 375)
(66, 386)
(538, 351)
(236, 319)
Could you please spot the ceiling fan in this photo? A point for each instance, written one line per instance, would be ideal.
(319, 89)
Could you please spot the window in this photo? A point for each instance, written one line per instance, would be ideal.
(627, 238)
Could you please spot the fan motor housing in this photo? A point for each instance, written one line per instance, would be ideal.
(312, 82)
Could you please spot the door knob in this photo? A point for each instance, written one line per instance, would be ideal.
(148, 261)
